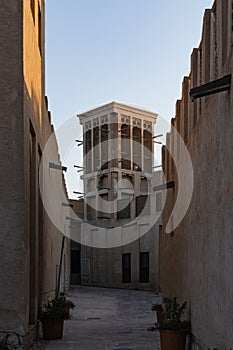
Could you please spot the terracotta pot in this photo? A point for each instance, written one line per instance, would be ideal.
(52, 328)
(172, 340)
(3, 347)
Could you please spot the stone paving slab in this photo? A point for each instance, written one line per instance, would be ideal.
(109, 319)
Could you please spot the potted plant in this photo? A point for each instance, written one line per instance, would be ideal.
(159, 312)
(68, 304)
(173, 330)
(52, 318)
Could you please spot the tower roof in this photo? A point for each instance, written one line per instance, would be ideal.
(117, 107)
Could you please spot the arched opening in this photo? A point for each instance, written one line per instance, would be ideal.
(147, 142)
(125, 147)
(104, 146)
(88, 151)
(96, 139)
(137, 151)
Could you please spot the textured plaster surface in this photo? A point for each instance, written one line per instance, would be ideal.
(197, 260)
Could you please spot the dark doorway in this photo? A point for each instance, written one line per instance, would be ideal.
(75, 267)
(126, 268)
(144, 267)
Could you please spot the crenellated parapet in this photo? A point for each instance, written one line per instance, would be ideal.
(209, 63)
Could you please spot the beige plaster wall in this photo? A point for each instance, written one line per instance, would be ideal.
(30, 243)
(106, 264)
(197, 259)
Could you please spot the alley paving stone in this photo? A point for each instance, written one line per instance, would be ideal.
(109, 319)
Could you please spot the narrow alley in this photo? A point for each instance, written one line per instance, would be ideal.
(109, 319)
(116, 154)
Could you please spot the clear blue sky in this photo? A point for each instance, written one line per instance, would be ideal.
(131, 51)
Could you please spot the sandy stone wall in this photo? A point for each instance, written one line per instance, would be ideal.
(30, 243)
(197, 255)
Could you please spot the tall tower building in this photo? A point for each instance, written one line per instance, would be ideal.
(118, 149)
(120, 233)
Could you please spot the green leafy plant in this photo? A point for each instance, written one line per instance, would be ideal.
(173, 311)
(56, 309)
(172, 315)
(67, 302)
